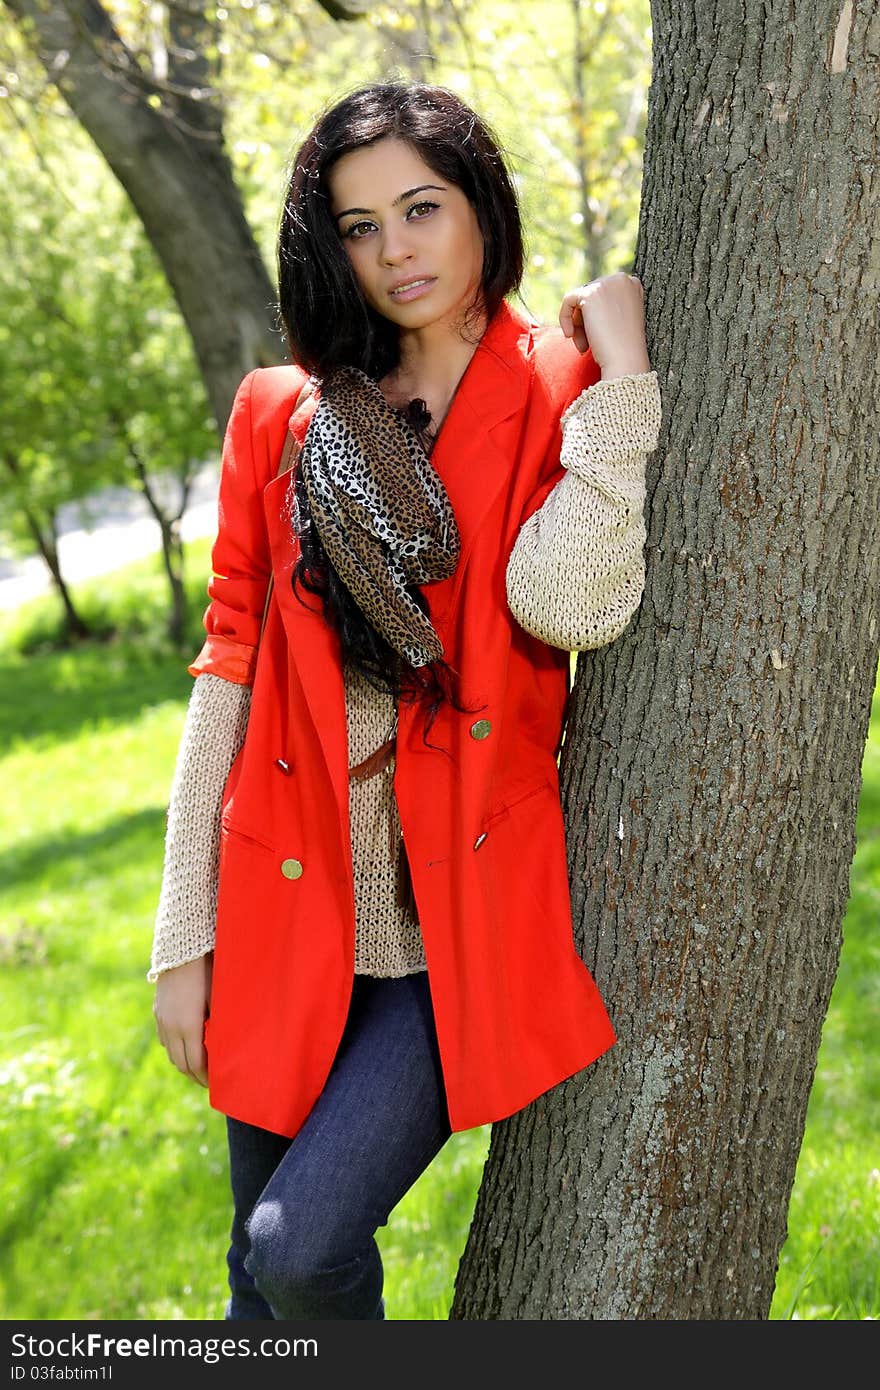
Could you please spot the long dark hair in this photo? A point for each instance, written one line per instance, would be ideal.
(329, 324)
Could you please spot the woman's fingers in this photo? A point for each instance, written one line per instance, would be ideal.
(196, 1059)
(180, 1008)
(571, 321)
(187, 1053)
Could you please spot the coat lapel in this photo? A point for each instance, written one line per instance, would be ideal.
(473, 455)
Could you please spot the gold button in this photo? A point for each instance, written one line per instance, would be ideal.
(480, 838)
(291, 868)
(481, 729)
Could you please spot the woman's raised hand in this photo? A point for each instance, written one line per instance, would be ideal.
(183, 997)
(608, 316)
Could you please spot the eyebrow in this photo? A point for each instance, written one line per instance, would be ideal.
(402, 199)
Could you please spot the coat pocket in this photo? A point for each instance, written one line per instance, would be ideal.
(516, 801)
(239, 832)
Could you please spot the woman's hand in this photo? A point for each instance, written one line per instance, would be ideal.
(608, 316)
(183, 996)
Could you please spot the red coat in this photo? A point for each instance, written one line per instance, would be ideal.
(516, 1009)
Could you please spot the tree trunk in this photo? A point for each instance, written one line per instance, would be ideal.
(45, 537)
(169, 531)
(172, 561)
(711, 770)
(170, 159)
(76, 629)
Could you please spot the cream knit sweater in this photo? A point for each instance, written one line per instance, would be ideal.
(574, 579)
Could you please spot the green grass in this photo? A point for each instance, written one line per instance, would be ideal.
(114, 1201)
(830, 1264)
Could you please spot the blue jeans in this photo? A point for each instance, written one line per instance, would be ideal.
(305, 1210)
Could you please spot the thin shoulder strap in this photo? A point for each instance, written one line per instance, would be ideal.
(288, 459)
(291, 444)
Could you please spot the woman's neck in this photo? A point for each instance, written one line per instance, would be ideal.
(433, 361)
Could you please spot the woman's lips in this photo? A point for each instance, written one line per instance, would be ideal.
(412, 290)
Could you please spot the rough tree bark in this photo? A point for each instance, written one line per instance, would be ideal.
(711, 770)
(162, 135)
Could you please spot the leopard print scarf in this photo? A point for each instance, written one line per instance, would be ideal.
(381, 511)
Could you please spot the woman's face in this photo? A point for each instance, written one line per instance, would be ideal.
(400, 222)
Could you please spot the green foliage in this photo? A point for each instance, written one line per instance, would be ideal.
(95, 361)
(114, 1198)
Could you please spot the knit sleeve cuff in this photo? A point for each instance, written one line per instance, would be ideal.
(610, 428)
(576, 573)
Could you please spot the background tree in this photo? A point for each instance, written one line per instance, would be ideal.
(155, 115)
(101, 388)
(711, 767)
(52, 452)
(155, 408)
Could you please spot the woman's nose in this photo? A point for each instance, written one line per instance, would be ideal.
(396, 246)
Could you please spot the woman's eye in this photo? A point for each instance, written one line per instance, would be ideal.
(361, 229)
(355, 229)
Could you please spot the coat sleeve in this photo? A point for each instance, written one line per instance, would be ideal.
(576, 573)
(240, 560)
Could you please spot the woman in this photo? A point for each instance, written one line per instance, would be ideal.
(465, 510)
